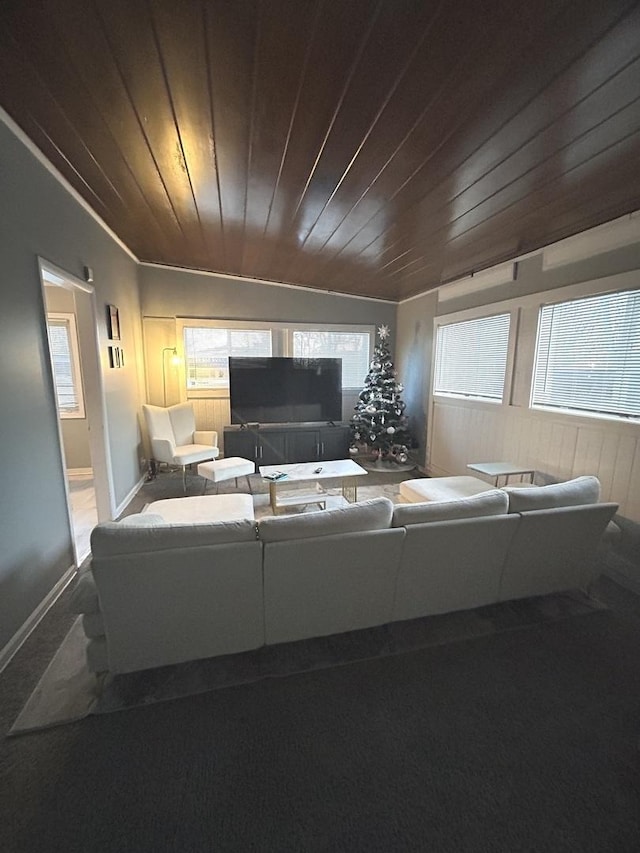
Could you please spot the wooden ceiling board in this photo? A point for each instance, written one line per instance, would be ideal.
(367, 147)
(493, 150)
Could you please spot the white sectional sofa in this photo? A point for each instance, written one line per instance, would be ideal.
(160, 593)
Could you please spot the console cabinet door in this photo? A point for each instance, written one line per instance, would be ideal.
(303, 446)
(280, 446)
(334, 443)
(243, 443)
(272, 448)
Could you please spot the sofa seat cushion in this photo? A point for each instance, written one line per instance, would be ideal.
(442, 488)
(187, 454)
(578, 492)
(493, 502)
(203, 509)
(374, 514)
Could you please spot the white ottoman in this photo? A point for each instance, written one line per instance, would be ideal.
(203, 509)
(442, 488)
(224, 469)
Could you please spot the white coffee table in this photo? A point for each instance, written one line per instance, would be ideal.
(303, 472)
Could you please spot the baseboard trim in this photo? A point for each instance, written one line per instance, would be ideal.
(32, 621)
(127, 500)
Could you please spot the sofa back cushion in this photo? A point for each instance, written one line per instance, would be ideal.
(374, 514)
(578, 492)
(142, 519)
(114, 538)
(493, 502)
(183, 422)
(158, 423)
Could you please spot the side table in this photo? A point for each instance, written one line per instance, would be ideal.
(496, 470)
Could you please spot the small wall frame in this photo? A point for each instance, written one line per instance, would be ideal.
(116, 357)
(113, 323)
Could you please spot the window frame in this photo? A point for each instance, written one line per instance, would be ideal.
(68, 320)
(574, 412)
(471, 315)
(281, 345)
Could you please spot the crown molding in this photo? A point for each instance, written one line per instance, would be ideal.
(247, 280)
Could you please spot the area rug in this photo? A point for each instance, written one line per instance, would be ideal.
(67, 692)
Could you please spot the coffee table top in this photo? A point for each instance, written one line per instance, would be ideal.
(300, 471)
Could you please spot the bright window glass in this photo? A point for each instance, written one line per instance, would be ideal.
(351, 347)
(471, 357)
(207, 352)
(63, 346)
(588, 355)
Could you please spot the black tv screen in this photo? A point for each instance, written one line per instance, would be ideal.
(285, 390)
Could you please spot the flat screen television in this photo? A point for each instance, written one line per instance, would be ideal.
(285, 390)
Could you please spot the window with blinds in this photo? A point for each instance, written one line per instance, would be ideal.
(351, 347)
(471, 357)
(588, 355)
(63, 346)
(207, 352)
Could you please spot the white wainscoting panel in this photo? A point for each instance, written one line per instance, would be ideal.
(212, 413)
(558, 446)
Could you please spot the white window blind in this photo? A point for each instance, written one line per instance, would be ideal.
(588, 355)
(351, 347)
(207, 352)
(471, 357)
(66, 366)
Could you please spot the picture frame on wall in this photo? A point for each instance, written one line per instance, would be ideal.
(116, 357)
(113, 323)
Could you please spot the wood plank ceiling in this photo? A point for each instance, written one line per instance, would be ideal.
(372, 148)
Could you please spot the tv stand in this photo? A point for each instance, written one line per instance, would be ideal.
(280, 444)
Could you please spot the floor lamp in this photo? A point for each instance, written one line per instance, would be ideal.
(174, 360)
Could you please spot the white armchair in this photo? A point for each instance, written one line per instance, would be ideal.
(175, 439)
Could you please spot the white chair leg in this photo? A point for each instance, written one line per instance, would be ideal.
(184, 479)
(249, 484)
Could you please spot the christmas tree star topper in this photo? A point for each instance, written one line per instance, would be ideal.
(383, 332)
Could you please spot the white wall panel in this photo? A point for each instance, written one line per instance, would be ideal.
(558, 446)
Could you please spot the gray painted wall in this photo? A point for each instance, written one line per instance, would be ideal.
(413, 362)
(39, 217)
(177, 293)
(415, 319)
(531, 278)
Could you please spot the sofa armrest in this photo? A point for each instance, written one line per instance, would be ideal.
(206, 436)
(163, 450)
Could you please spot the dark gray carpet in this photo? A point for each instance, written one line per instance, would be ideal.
(524, 740)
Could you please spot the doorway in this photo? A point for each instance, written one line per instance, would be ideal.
(77, 379)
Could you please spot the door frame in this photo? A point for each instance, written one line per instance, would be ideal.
(92, 383)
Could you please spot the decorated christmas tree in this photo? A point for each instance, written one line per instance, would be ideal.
(379, 423)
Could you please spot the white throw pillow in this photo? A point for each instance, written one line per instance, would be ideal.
(578, 492)
(374, 514)
(493, 502)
